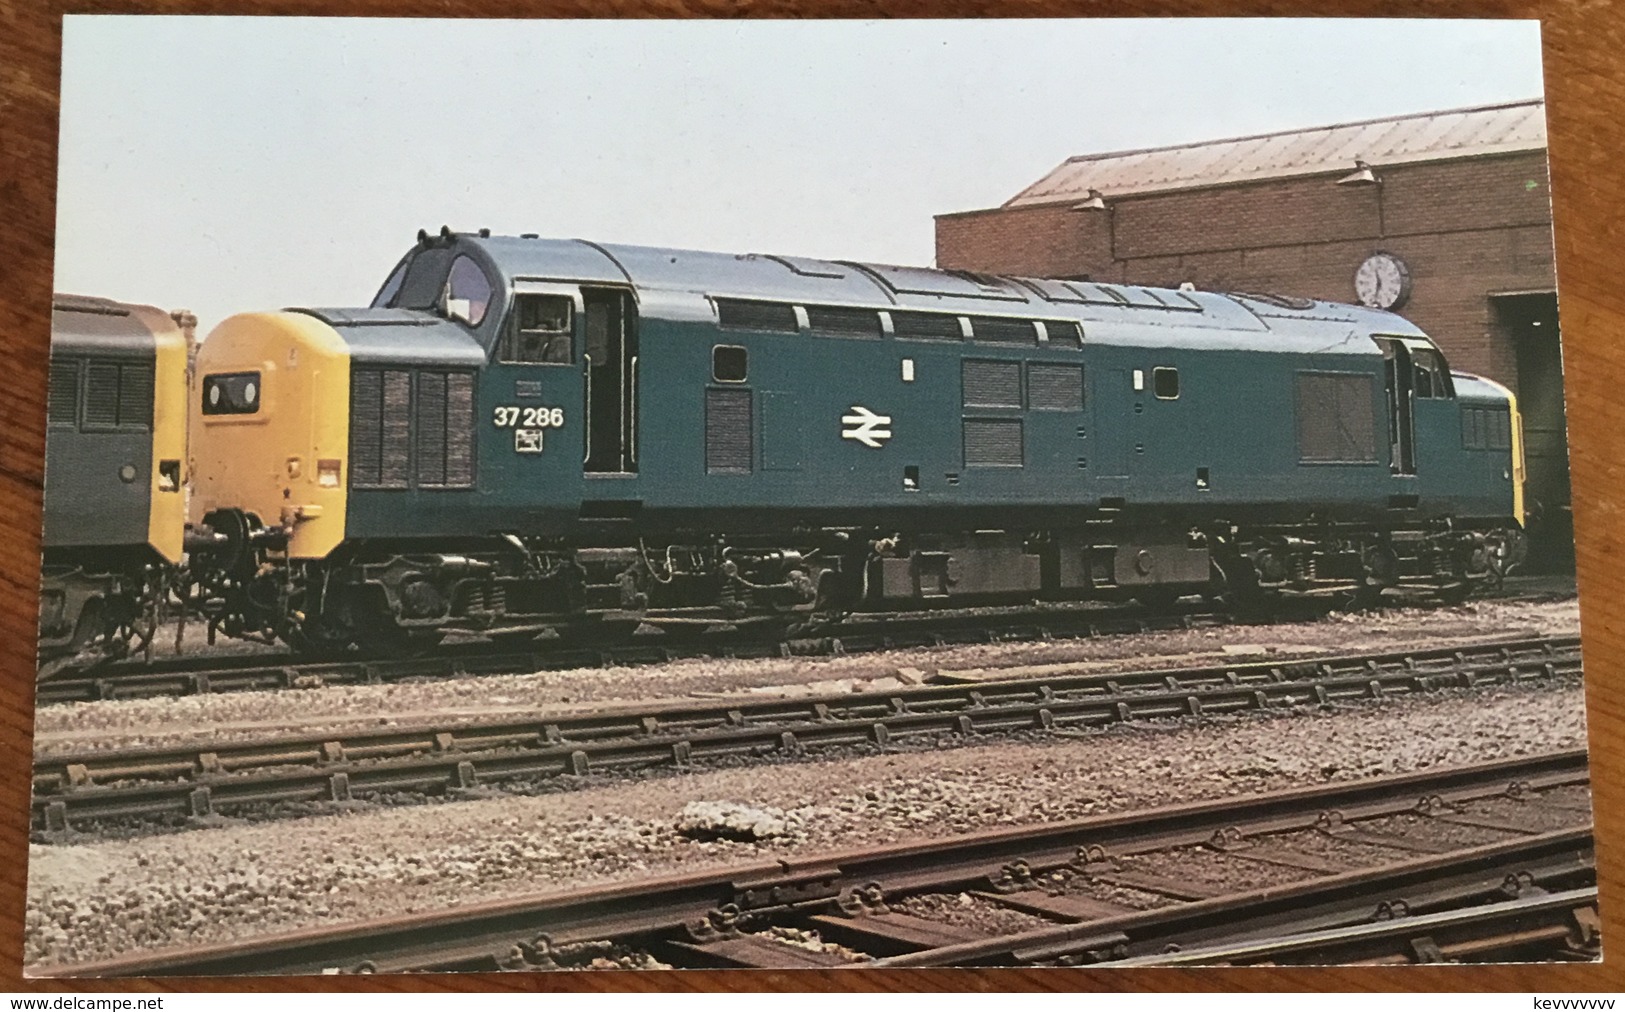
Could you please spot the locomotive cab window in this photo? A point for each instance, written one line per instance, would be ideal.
(392, 286)
(729, 363)
(468, 292)
(234, 393)
(422, 281)
(1165, 383)
(1432, 376)
(540, 331)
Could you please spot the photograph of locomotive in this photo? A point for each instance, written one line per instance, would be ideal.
(683, 463)
(824, 437)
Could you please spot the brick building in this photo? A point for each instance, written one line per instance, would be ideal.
(1453, 206)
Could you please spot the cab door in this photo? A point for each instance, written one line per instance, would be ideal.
(1398, 380)
(532, 397)
(1116, 418)
(609, 382)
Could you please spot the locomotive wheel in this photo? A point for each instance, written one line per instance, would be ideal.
(1381, 570)
(375, 631)
(315, 640)
(1364, 597)
(355, 619)
(1455, 593)
(1237, 587)
(1158, 600)
(389, 641)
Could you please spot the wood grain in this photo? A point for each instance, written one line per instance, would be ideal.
(1584, 48)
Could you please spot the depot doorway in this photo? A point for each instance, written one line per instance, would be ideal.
(1529, 322)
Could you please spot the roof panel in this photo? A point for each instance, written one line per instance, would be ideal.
(1455, 133)
(954, 284)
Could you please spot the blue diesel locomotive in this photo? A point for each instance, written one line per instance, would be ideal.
(540, 437)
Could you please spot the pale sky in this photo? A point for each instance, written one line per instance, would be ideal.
(227, 164)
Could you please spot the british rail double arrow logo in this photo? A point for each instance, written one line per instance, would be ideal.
(865, 426)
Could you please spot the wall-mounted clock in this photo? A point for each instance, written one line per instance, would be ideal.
(1383, 281)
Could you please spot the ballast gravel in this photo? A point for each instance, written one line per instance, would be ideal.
(962, 910)
(98, 899)
(1218, 872)
(172, 722)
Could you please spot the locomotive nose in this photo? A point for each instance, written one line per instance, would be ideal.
(272, 418)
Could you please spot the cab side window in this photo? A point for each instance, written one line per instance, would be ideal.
(1432, 376)
(540, 331)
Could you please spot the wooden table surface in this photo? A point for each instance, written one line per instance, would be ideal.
(1584, 50)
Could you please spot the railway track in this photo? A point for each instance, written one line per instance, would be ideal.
(215, 673)
(212, 672)
(1491, 861)
(200, 780)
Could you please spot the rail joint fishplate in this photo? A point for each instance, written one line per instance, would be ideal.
(790, 885)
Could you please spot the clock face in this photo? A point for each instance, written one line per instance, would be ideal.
(1383, 281)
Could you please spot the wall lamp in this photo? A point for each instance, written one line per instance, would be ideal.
(1095, 202)
(1363, 175)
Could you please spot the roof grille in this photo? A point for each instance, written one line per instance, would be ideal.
(925, 326)
(843, 321)
(1002, 330)
(1279, 301)
(1064, 333)
(745, 314)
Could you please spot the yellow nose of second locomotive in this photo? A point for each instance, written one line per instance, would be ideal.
(271, 416)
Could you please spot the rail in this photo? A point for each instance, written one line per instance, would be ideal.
(198, 780)
(720, 917)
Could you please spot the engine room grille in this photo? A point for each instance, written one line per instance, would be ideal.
(395, 452)
(459, 429)
(101, 394)
(366, 427)
(431, 425)
(1486, 429)
(749, 315)
(118, 396)
(1054, 387)
(398, 439)
(64, 400)
(728, 447)
(991, 384)
(843, 321)
(135, 396)
(445, 424)
(1337, 421)
(993, 442)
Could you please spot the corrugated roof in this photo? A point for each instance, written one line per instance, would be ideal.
(1431, 136)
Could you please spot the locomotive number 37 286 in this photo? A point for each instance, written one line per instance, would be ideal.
(530, 418)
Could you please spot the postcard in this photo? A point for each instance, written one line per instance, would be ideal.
(634, 495)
